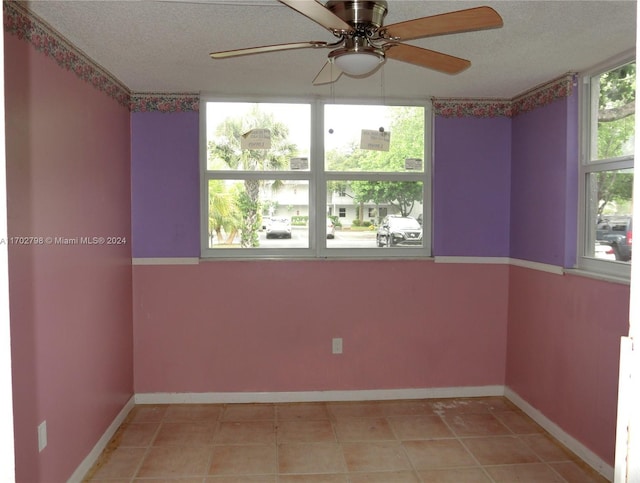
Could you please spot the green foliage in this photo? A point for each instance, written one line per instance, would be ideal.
(226, 144)
(616, 112)
(299, 220)
(616, 131)
(223, 211)
(614, 186)
(614, 137)
(407, 141)
(400, 194)
(618, 87)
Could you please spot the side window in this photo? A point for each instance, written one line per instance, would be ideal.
(607, 170)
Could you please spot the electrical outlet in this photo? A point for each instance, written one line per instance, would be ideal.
(336, 345)
(42, 435)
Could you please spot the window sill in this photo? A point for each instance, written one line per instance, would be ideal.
(598, 276)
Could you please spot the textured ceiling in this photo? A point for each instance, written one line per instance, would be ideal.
(164, 45)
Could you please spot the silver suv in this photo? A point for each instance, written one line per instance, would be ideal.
(397, 231)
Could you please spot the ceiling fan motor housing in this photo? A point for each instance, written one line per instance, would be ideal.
(360, 13)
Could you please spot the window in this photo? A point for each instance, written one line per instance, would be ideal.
(607, 170)
(312, 179)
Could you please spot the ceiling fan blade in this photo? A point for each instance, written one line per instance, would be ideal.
(479, 18)
(328, 74)
(266, 48)
(426, 58)
(319, 14)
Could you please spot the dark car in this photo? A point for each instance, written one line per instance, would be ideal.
(618, 234)
(399, 231)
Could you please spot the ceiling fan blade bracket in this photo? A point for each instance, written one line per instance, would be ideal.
(384, 35)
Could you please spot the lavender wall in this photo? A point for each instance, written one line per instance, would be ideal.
(71, 311)
(165, 184)
(471, 186)
(544, 187)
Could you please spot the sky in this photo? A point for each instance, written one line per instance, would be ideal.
(346, 121)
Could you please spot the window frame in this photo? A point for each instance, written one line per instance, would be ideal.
(587, 166)
(317, 177)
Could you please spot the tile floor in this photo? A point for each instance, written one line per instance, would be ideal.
(464, 440)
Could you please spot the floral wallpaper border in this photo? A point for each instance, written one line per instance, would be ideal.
(532, 99)
(147, 102)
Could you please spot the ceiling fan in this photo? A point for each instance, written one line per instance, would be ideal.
(364, 42)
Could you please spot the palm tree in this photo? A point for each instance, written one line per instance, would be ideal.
(227, 147)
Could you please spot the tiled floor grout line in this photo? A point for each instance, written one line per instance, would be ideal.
(555, 472)
(277, 463)
(147, 450)
(404, 449)
(213, 448)
(459, 439)
(335, 435)
(546, 463)
(511, 432)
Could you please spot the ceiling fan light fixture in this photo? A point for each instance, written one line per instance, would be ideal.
(357, 63)
(358, 57)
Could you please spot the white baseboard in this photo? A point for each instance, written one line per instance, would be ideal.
(542, 267)
(315, 396)
(95, 453)
(570, 442)
(473, 260)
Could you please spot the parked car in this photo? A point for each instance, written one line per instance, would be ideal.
(617, 232)
(399, 231)
(604, 252)
(331, 229)
(279, 227)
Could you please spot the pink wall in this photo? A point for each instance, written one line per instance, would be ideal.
(268, 325)
(563, 351)
(67, 175)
